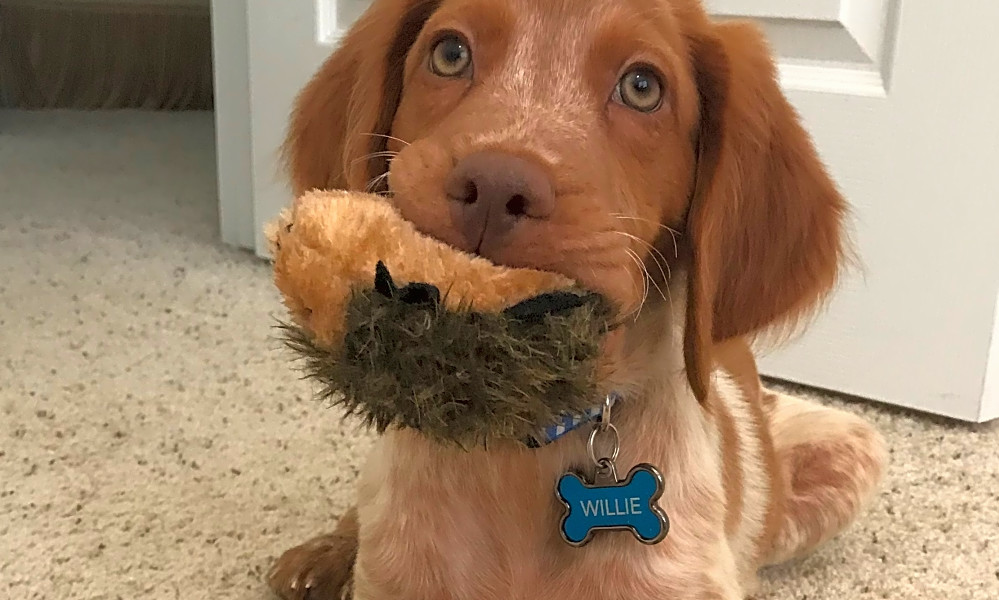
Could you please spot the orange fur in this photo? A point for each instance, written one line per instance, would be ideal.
(732, 480)
(751, 477)
(736, 357)
(830, 462)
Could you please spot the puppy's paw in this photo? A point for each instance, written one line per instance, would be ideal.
(320, 569)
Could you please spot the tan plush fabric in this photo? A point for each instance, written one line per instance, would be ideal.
(154, 442)
(316, 277)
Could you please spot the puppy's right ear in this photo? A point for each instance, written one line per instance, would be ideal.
(766, 222)
(344, 112)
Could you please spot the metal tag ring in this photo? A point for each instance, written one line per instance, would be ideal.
(615, 447)
(609, 402)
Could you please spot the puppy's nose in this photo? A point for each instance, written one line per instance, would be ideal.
(491, 191)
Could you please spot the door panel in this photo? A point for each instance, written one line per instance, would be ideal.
(828, 45)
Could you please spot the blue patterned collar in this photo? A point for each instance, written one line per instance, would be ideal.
(567, 424)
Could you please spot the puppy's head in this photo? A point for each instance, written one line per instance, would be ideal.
(612, 142)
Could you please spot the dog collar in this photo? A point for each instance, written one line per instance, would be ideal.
(570, 423)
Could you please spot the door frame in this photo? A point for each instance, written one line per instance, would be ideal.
(233, 130)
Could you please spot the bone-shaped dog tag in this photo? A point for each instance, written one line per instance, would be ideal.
(611, 504)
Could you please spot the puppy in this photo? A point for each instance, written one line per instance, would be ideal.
(648, 153)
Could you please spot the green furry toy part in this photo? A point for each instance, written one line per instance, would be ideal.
(458, 375)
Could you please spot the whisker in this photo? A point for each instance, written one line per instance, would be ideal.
(660, 290)
(655, 283)
(656, 255)
(673, 232)
(388, 137)
(667, 296)
(375, 181)
(644, 220)
(382, 154)
(643, 273)
(638, 307)
(655, 251)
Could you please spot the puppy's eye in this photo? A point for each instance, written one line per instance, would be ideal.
(450, 57)
(641, 89)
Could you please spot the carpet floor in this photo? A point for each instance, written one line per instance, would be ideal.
(155, 444)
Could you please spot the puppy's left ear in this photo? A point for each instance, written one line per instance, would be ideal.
(765, 225)
(341, 119)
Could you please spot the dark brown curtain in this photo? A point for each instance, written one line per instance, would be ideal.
(105, 55)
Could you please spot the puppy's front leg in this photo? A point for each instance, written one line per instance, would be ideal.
(715, 577)
(728, 590)
(320, 569)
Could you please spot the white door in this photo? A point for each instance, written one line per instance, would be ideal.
(265, 52)
(899, 95)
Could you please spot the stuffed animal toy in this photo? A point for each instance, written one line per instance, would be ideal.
(405, 331)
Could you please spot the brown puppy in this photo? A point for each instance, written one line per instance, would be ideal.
(648, 153)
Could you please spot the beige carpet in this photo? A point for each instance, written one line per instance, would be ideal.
(155, 444)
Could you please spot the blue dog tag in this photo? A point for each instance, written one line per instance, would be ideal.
(611, 504)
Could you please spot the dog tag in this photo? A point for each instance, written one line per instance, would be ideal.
(609, 503)
(629, 504)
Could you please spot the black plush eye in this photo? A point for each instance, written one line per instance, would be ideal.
(641, 89)
(450, 57)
